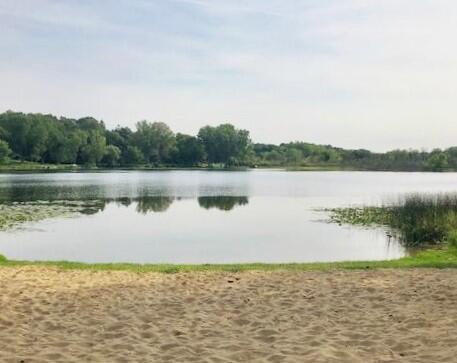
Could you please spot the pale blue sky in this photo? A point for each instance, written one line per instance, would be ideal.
(378, 74)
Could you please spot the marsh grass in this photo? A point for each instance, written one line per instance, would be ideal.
(426, 218)
(416, 219)
(451, 239)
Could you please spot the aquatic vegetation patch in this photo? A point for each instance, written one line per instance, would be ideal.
(364, 216)
(417, 219)
(16, 213)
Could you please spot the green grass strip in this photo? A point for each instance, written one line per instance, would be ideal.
(433, 258)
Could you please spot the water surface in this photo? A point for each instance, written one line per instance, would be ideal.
(207, 216)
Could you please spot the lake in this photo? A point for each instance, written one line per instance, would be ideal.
(181, 216)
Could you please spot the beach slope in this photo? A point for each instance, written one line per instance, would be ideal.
(402, 315)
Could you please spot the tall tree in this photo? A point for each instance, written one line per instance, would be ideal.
(132, 156)
(225, 144)
(189, 150)
(112, 156)
(122, 138)
(155, 140)
(91, 153)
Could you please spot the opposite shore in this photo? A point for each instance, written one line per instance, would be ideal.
(28, 166)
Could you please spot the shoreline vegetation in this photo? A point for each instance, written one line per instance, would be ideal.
(431, 258)
(30, 166)
(14, 166)
(37, 167)
(417, 220)
(39, 142)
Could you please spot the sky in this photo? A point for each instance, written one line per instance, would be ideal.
(374, 74)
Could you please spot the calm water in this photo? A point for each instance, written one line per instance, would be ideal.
(207, 216)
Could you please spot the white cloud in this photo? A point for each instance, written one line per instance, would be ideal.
(373, 74)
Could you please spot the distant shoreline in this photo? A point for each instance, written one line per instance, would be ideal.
(62, 143)
(43, 167)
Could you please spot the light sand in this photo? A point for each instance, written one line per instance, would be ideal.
(49, 315)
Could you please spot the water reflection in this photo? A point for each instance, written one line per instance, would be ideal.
(20, 192)
(156, 204)
(198, 216)
(225, 203)
(153, 204)
(82, 186)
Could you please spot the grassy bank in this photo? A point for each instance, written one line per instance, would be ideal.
(319, 167)
(18, 166)
(433, 258)
(28, 166)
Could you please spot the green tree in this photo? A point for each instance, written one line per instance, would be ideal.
(294, 156)
(225, 144)
(37, 138)
(5, 151)
(274, 156)
(451, 157)
(15, 127)
(121, 137)
(93, 149)
(133, 156)
(155, 140)
(74, 141)
(55, 147)
(189, 150)
(437, 161)
(112, 156)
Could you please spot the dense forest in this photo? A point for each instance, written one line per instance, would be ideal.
(87, 142)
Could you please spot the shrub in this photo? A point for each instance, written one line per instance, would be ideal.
(5, 151)
(451, 238)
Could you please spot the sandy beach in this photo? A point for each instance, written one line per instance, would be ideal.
(51, 315)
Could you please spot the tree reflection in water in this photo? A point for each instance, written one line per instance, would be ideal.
(226, 203)
(153, 204)
(144, 205)
(147, 204)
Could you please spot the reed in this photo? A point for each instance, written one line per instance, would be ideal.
(416, 219)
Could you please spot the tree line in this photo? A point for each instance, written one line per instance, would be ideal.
(86, 141)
